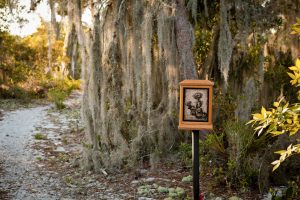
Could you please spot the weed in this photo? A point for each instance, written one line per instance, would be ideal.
(63, 157)
(39, 158)
(68, 179)
(40, 136)
(185, 154)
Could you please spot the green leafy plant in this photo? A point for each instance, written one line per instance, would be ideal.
(296, 27)
(283, 118)
(40, 136)
(57, 96)
(241, 167)
(185, 154)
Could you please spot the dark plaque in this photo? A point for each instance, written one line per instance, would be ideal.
(196, 104)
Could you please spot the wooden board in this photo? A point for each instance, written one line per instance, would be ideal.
(195, 111)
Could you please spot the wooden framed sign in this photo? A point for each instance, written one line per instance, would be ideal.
(195, 105)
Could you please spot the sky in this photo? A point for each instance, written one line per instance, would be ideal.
(34, 18)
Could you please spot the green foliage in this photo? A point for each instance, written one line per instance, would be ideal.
(292, 191)
(17, 59)
(296, 27)
(187, 179)
(40, 136)
(203, 40)
(25, 69)
(232, 154)
(145, 190)
(61, 88)
(240, 140)
(185, 154)
(161, 189)
(225, 104)
(57, 96)
(215, 143)
(281, 119)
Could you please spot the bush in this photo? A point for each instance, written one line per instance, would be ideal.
(14, 92)
(185, 154)
(283, 118)
(60, 89)
(57, 96)
(240, 138)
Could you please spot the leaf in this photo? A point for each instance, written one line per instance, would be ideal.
(284, 110)
(275, 167)
(260, 131)
(263, 111)
(291, 75)
(276, 133)
(276, 104)
(280, 152)
(293, 33)
(250, 122)
(275, 162)
(298, 61)
(294, 68)
(257, 116)
(293, 131)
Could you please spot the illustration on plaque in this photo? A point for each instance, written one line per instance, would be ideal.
(195, 104)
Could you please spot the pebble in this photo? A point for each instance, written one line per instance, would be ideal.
(60, 150)
(134, 182)
(150, 179)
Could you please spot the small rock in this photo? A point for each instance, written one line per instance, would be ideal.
(235, 198)
(151, 179)
(218, 198)
(143, 171)
(134, 182)
(145, 198)
(60, 150)
(267, 196)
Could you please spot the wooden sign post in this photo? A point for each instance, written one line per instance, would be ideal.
(195, 114)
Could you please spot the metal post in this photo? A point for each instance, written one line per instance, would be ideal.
(196, 185)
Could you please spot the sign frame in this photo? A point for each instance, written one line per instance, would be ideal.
(196, 124)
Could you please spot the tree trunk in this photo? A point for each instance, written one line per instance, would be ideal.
(133, 58)
(54, 23)
(71, 42)
(131, 67)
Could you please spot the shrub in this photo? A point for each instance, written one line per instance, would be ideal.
(57, 96)
(185, 154)
(282, 118)
(240, 164)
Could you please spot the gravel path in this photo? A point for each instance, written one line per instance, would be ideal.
(33, 169)
(20, 179)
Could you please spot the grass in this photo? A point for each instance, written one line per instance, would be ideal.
(40, 136)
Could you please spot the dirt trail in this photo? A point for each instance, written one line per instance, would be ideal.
(20, 179)
(32, 169)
